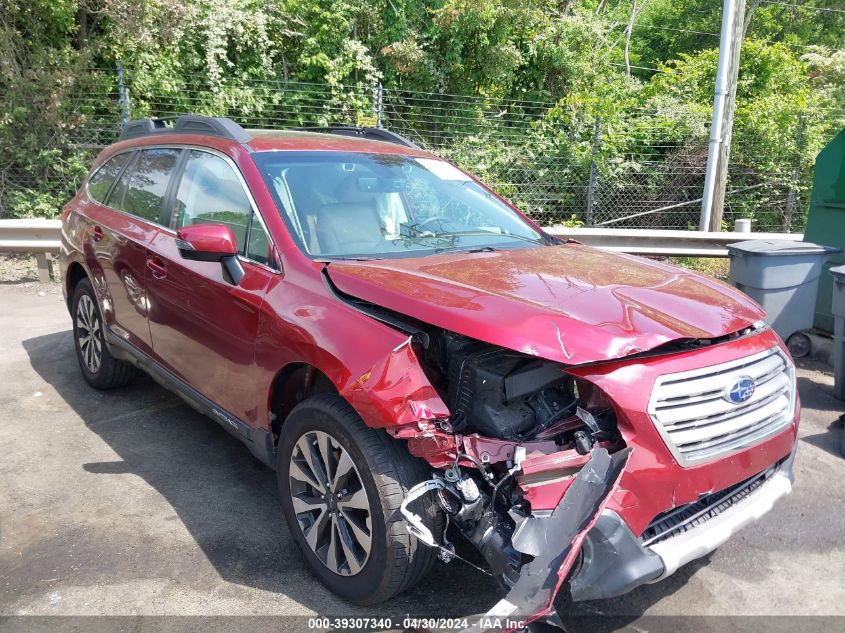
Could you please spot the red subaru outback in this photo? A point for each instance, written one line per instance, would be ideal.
(408, 351)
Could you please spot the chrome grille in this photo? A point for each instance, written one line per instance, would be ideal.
(699, 423)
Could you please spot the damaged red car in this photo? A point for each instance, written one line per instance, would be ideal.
(409, 352)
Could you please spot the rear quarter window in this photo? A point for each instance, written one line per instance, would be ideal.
(102, 179)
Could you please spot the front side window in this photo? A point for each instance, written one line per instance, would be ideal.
(354, 205)
(144, 191)
(259, 247)
(100, 183)
(211, 192)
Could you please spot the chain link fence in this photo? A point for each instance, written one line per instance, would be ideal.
(562, 163)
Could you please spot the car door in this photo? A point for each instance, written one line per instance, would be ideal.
(203, 327)
(121, 226)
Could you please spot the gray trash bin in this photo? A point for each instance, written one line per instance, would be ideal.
(838, 309)
(783, 277)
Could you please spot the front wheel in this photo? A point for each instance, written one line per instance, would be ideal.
(341, 486)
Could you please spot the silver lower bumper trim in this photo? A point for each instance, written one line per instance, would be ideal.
(695, 543)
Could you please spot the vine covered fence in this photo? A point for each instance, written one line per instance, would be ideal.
(564, 162)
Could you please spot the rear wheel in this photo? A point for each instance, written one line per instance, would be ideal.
(341, 485)
(100, 369)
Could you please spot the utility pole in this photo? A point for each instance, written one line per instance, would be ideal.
(735, 21)
(724, 106)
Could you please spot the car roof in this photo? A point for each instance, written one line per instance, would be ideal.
(218, 132)
(281, 140)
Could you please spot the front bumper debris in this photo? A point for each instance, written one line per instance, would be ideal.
(552, 541)
(614, 561)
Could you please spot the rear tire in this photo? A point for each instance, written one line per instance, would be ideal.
(100, 369)
(384, 562)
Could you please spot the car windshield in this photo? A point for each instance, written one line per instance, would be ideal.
(368, 206)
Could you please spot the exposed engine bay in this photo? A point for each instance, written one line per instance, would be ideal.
(499, 393)
(502, 394)
(522, 429)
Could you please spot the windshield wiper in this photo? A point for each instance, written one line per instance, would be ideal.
(468, 249)
(488, 234)
(362, 258)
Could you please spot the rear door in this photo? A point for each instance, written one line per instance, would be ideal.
(204, 328)
(126, 219)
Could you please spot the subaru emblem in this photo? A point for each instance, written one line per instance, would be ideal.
(740, 390)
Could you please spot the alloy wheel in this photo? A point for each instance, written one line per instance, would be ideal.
(89, 334)
(330, 503)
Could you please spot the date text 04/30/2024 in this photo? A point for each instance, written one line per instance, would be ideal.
(486, 622)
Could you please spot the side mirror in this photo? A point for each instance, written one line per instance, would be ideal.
(211, 243)
(206, 242)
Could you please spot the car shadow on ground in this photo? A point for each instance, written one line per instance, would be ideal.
(818, 395)
(227, 500)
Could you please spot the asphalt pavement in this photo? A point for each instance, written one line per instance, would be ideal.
(130, 503)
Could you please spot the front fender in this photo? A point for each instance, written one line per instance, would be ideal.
(372, 365)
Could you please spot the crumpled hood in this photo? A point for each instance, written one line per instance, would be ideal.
(569, 303)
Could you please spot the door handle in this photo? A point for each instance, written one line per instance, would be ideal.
(157, 267)
(97, 234)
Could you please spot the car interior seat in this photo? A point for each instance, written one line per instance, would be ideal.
(352, 223)
(348, 227)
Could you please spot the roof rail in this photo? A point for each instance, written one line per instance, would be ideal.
(372, 133)
(186, 124)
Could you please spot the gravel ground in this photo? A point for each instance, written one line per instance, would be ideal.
(21, 270)
(16, 268)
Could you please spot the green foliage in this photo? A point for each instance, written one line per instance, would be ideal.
(573, 222)
(239, 57)
(717, 267)
(40, 115)
(774, 96)
(827, 77)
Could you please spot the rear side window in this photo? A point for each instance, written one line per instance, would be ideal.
(100, 183)
(144, 191)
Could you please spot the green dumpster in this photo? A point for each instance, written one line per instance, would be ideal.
(826, 221)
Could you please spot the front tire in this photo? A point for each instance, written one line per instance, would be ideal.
(100, 369)
(341, 485)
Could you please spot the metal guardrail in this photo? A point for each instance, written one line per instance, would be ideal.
(660, 242)
(38, 236)
(42, 237)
